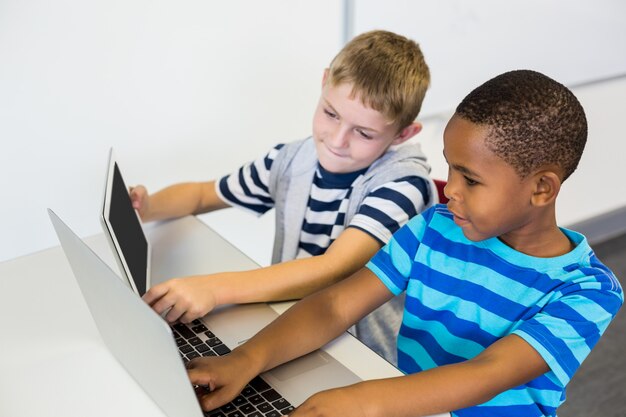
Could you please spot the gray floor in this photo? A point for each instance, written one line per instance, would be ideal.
(598, 389)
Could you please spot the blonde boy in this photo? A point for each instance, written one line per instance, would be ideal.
(339, 195)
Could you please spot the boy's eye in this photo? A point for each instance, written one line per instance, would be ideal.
(330, 114)
(470, 181)
(363, 134)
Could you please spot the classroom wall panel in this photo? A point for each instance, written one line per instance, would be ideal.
(181, 90)
(467, 42)
(189, 91)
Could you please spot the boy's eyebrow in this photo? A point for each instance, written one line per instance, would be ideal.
(466, 171)
(462, 169)
(369, 129)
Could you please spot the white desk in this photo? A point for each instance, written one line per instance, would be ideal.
(52, 360)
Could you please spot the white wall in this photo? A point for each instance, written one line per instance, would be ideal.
(190, 90)
(181, 90)
(466, 42)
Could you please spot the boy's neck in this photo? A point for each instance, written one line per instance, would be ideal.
(548, 247)
(541, 238)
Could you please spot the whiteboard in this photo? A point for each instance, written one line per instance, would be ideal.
(466, 42)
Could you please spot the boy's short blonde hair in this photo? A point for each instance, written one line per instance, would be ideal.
(387, 71)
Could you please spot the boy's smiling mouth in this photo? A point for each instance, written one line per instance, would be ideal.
(460, 221)
(332, 152)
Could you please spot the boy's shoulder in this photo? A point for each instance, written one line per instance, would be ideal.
(580, 266)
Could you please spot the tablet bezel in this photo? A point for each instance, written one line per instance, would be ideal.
(109, 231)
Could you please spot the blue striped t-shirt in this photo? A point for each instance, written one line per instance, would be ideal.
(462, 296)
(380, 214)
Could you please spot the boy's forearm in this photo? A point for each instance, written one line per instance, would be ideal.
(436, 391)
(507, 364)
(298, 278)
(317, 319)
(183, 199)
(306, 326)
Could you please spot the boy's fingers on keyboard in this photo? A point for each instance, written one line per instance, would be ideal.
(154, 294)
(165, 304)
(204, 372)
(217, 398)
(201, 390)
(198, 371)
(175, 313)
(191, 314)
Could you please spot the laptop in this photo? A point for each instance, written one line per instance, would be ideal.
(151, 351)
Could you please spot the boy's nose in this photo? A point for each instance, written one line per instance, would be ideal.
(446, 190)
(449, 190)
(339, 138)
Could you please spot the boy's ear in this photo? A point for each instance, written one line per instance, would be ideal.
(547, 185)
(324, 77)
(407, 133)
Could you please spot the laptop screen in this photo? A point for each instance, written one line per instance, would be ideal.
(125, 231)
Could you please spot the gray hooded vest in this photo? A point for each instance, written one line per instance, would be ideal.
(290, 182)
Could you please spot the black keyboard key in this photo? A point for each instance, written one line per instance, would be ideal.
(239, 401)
(236, 413)
(209, 353)
(273, 413)
(248, 391)
(195, 341)
(185, 349)
(193, 355)
(255, 414)
(287, 410)
(271, 395)
(264, 407)
(221, 350)
(227, 408)
(214, 341)
(256, 399)
(259, 385)
(247, 408)
(280, 403)
(214, 413)
(209, 334)
(202, 348)
(200, 328)
(180, 342)
(184, 330)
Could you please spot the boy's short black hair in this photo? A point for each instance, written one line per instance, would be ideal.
(533, 121)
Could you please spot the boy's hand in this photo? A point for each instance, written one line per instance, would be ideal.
(140, 199)
(220, 379)
(186, 298)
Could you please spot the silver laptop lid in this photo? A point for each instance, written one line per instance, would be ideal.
(136, 336)
(123, 230)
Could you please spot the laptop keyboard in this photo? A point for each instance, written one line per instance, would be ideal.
(257, 399)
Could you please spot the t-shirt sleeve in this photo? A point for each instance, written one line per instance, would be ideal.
(247, 187)
(388, 207)
(392, 264)
(566, 329)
